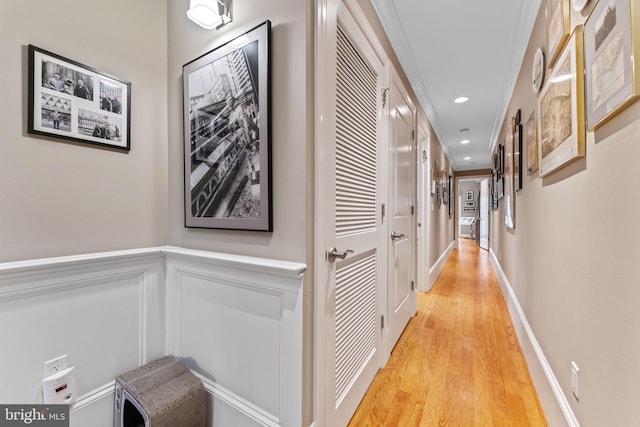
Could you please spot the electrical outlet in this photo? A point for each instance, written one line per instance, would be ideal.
(575, 380)
(55, 365)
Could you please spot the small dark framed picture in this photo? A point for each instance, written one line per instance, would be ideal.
(517, 158)
(75, 102)
(227, 135)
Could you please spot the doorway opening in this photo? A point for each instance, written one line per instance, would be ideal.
(473, 210)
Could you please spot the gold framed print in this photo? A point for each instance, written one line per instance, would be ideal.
(612, 59)
(561, 124)
(531, 138)
(558, 26)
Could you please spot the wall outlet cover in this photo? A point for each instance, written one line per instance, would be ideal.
(575, 380)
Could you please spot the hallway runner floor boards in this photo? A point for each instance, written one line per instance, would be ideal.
(458, 363)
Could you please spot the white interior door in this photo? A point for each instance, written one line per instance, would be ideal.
(400, 284)
(349, 221)
(484, 214)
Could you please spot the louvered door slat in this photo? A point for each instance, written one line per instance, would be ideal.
(356, 144)
(356, 187)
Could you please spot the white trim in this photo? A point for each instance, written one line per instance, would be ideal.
(436, 268)
(549, 390)
(12, 291)
(93, 396)
(241, 405)
(293, 270)
(273, 267)
(84, 260)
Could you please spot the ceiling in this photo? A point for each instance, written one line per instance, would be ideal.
(453, 48)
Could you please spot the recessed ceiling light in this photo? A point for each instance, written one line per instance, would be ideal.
(467, 158)
(461, 99)
(465, 141)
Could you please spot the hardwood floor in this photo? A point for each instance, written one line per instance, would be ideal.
(458, 363)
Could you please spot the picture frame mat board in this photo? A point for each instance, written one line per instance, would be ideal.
(612, 59)
(561, 124)
(227, 135)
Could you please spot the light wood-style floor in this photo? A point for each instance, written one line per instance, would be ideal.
(458, 362)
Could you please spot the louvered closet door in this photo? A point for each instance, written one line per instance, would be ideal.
(354, 339)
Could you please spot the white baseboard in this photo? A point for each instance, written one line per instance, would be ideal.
(436, 268)
(554, 402)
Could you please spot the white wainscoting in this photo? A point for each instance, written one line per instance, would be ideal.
(105, 311)
(236, 320)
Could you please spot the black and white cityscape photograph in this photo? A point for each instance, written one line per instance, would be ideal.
(225, 154)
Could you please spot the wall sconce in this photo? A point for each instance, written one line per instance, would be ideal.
(210, 14)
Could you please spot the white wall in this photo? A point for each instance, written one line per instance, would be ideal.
(60, 198)
(289, 126)
(572, 261)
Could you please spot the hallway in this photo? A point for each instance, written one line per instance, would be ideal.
(458, 362)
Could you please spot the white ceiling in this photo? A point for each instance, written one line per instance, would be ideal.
(451, 48)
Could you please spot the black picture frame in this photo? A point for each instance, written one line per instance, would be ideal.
(517, 158)
(74, 102)
(227, 135)
(451, 199)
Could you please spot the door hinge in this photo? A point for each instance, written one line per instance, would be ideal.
(413, 285)
(413, 210)
(413, 135)
(385, 92)
(382, 211)
(382, 321)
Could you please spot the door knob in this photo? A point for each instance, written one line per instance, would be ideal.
(333, 253)
(395, 236)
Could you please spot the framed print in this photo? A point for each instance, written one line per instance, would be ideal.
(531, 138)
(612, 59)
(451, 199)
(471, 204)
(469, 210)
(72, 101)
(227, 135)
(517, 158)
(434, 178)
(443, 187)
(508, 178)
(469, 195)
(494, 192)
(561, 125)
(558, 27)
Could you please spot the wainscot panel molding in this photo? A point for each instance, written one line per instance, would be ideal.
(436, 268)
(105, 311)
(236, 320)
(554, 402)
